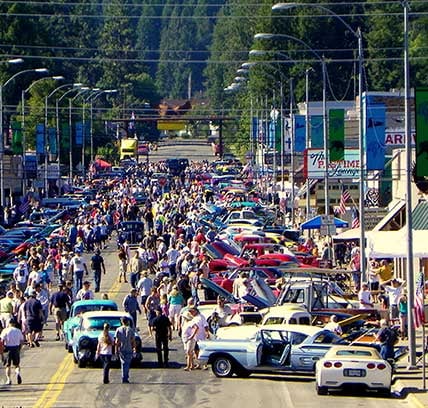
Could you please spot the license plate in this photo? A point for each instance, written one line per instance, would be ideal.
(349, 372)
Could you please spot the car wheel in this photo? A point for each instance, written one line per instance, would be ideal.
(69, 348)
(385, 392)
(81, 364)
(321, 390)
(222, 366)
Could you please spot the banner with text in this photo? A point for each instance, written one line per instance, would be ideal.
(53, 148)
(17, 147)
(79, 134)
(299, 133)
(348, 168)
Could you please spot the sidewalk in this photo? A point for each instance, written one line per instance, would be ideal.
(409, 383)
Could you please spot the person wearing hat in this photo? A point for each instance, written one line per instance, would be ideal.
(124, 339)
(11, 339)
(77, 269)
(130, 304)
(20, 274)
(97, 267)
(163, 332)
(6, 309)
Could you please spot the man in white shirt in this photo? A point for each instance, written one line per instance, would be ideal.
(144, 287)
(85, 293)
(12, 338)
(77, 268)
(334, 326)
(203, 330)
(394, 292)
(364, 297)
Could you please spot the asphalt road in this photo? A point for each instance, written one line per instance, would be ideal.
(192, 149)
(51, 379)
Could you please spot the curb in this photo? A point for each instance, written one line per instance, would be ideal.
(411, 397)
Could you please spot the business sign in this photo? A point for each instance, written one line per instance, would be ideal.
(315, 164)
(397, 138)
(171, 124)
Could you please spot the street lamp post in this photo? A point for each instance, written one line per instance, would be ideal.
(70, 123)
(57, 101)
(358, 35)
(268, 36)
(2, 86)
(91, 131)
(24, 145)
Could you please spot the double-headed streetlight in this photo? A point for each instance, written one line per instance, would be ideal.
(358, 35)
(92, 98)
(269, 36)
(24, 144)
(2, 86)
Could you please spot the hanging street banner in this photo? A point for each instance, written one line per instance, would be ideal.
(79, 134)
(374, 140)
(336, 134)
(348, 168)
(65, 137)
(40, 138)
(52, 143)
(316, 131)
(17, 147)
(254, 128)
(299, 133)
(421, 101)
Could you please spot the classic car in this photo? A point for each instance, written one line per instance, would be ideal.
(273, 348)
(85, 337)
(79, 307)
(353, 366)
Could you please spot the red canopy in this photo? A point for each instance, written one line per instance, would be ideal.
(102, 164)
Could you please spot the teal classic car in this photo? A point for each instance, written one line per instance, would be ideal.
(85, 336)
(79, 307)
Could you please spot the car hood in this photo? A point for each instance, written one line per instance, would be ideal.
(264, 291)
(254, 300)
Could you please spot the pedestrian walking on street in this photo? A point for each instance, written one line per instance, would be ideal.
(105, 351)
(125, 347)
(163, 332)
(130, 304)
(78, 268)
(11, 339)
(59, 302)
(135, 267)
(387, 337)
(98, 267)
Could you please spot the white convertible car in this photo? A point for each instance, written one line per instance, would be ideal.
(353, 366)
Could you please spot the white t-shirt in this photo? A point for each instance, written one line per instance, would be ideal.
(393, 294)
(201, 322)
(364, 298)
(104, 348)
(11, 336)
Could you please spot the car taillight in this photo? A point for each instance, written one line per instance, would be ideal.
(327, 364)
(337, 364)
(371, 366)
(381, 366)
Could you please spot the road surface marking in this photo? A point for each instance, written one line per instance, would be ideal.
(57, 382)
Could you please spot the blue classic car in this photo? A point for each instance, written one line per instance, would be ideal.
(79, 307)
(273, 348)
(85, 337)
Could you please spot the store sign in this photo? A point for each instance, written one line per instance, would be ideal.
(315, 164)
(397, 138)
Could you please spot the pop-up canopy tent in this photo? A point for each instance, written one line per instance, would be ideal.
(316, 222)
(392, 244)
(101, 164)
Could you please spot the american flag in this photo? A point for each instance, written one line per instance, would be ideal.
(418, 307)
(344, 197)
(355, 219)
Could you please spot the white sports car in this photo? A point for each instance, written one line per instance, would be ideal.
(353, 366)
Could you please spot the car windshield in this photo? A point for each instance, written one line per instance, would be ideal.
(97, 323)
(92, 308)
